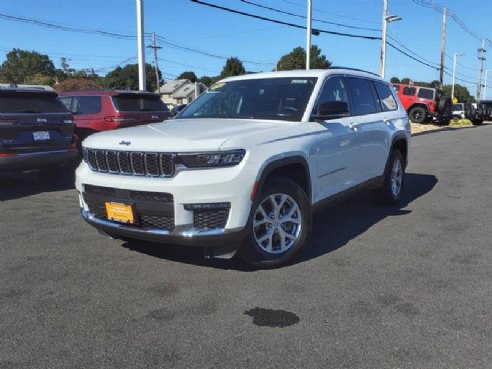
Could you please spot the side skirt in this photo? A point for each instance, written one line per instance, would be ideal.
(370, 184)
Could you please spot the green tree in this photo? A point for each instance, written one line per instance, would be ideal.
(395, 80)
(23, 66)
(190, 76)
(126, 78)
(460, 92)
(208, 81)
(405, 81)
(296, 59)
(232, 67)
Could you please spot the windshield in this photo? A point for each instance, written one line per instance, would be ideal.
(268, 98)
(458, 107)
(29, 102)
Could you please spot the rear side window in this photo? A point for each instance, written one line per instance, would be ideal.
(408, 91)
(86, 104)
(363, 97)
(386, 98)
(426, 93)
(139, 103)
(22, 102)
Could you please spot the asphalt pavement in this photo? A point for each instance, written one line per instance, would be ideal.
(406, 287)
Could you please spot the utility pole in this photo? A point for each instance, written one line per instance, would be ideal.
(485, 83)
(308, 36)
(141, 47)
(384, 30)
(382, 61)
(443, 47)
(454, 74)
(156, 65)
(481, 58)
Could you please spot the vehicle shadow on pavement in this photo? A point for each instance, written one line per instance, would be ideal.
(333, 227)
(18, 185)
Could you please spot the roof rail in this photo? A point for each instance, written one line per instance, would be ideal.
(355, 69)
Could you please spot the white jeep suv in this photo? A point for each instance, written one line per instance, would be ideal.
(243, 167)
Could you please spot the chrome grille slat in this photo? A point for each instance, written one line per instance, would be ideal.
(150, 164)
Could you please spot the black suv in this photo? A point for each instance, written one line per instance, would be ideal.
(36, 130)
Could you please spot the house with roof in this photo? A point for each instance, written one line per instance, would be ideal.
(180, 91)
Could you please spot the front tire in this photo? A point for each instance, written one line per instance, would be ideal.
(278, 226)
(391, 191)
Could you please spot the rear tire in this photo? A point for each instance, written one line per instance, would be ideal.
(279, 225)
(418, 115)
(391, 191)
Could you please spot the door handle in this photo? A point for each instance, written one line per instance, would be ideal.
(387, 122)
(353, 127)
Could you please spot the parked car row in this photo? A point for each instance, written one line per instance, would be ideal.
(425, 104)
(476, 113)
(40, 130)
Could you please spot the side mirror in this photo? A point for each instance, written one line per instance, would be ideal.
(333, 109)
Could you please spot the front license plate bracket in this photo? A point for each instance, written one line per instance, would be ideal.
(119, 212)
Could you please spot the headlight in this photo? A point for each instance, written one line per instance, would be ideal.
(212, 159)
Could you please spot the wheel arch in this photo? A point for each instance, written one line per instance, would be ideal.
(418, 105)
(400, 143)
(295, 168)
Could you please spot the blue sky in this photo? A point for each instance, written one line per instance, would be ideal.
(184, 23)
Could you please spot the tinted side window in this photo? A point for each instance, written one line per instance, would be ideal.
(87, 104)
(426, 93)
(363, 97)
(139, 103)
(408, 91)
(386, 98)
(333, 90)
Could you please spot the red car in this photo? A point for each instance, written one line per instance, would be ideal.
(102, 110)
(423, 104)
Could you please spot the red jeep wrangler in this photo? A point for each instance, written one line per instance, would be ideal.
(423, 104)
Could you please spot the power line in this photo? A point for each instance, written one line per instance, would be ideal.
(186, 65)
(116, 65)
(452, 14)
(318, 10)
(304, 17)
(407, 54)
(65, 28)
(282, 22)
(205, 53)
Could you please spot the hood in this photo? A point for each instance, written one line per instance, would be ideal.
(183, 135)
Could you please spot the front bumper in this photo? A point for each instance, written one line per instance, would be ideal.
(169, 203)
(188, 236)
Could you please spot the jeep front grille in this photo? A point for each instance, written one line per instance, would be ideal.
(150, 164)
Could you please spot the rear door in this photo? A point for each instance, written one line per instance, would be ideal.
(337, 150)
(33, 121)
(87, 110)
(369, 125)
